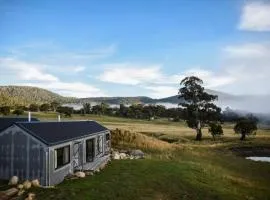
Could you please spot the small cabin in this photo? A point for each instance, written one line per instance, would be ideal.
(49, 151)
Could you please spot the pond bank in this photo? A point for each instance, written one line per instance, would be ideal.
(260, 151)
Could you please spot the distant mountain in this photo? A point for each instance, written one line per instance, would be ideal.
(24, 95)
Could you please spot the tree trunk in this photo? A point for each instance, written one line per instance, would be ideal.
(199, 134)
(199, 131)
(243, 136)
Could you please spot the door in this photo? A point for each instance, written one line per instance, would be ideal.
(90, 150)
(76, 155)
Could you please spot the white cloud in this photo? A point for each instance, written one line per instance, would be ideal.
(125, 73)
(25, 71)
(249, 66)
(33, 74)
(255, 16)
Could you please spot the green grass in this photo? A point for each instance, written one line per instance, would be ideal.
(186, 175)
(182, 169)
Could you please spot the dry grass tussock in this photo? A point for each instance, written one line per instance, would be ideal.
(125, 138)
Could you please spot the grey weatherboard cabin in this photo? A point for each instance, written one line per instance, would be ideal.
(49, 151)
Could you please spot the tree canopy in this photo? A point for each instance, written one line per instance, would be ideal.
(245, 127)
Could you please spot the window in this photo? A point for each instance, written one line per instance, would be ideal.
(107, 136)
(61, 157)
(90, 150)
(99, 145)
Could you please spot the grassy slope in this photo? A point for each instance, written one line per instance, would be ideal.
(188, 170)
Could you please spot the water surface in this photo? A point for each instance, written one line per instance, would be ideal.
(263, 159)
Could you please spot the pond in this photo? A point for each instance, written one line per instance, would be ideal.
(263, 159)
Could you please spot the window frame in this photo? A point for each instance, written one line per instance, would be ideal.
(100, 147)
(56, 165)
(86, 150)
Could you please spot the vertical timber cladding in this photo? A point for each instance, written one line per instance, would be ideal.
(21, 155)
(5, 153)
(28, 157)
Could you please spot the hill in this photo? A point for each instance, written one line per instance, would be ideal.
(24, 95)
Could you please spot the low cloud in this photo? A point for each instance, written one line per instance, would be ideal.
(70, 89)
(255, 16)
(243, 69)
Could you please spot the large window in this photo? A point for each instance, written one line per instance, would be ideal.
(90, 150)
(99, 145)
(61, 156)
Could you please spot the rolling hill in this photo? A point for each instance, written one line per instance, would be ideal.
(24, 95)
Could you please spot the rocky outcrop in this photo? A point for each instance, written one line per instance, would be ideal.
(124, 154)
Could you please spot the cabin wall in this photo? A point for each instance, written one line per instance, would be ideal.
(57, 175)
(22, 155)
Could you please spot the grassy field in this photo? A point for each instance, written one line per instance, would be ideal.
(176, 166)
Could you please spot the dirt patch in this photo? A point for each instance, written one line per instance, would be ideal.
(252, 151)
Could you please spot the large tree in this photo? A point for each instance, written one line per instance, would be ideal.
(198, 105)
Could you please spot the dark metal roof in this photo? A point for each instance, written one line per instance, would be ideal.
(52, 133)
(6, 122)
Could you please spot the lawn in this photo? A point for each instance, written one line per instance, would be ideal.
(176, 166)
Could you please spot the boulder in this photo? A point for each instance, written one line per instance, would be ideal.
(14, 180)
(80, 174)
(123, 156)
(115, 156)
(20, 186)
(137, 154)
(21, 192)
(11, 192)
(102, 166)
(35, 183)
(26, 184)
(89, 173)
(31, 196)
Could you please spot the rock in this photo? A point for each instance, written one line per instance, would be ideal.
(123, 151)
(115, 156)
(14, 180)
(35, 183)
(97, 170)
(20, 186)
(31, 196)
(137, 154)
(102, 166)
(26, 184)
(80, 174)
(89, 173)
(20, 192)
(123, 156)
(11, 192)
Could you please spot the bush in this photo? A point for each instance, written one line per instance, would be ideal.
(5, 110)
(33, 107)
(215, 129)
(18, 112)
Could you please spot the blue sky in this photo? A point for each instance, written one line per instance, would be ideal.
(131, 48)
